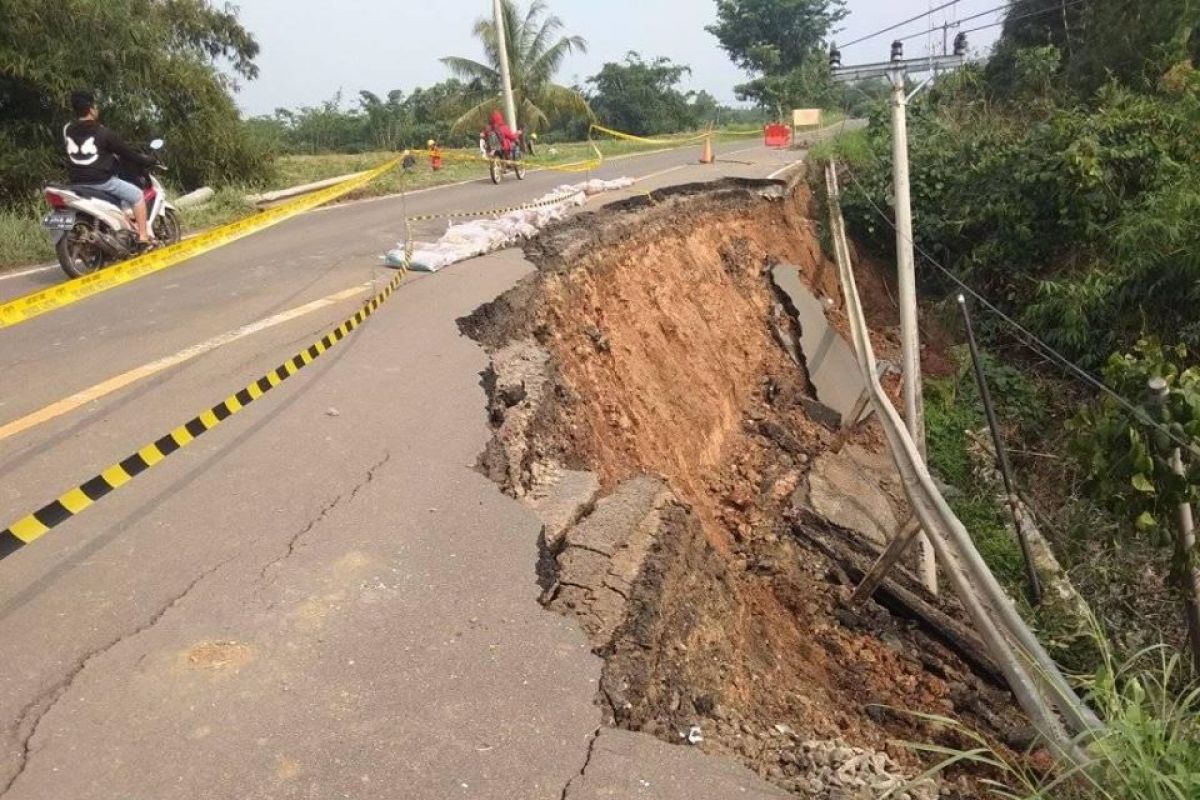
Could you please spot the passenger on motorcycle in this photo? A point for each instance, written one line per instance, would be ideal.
(92, 155)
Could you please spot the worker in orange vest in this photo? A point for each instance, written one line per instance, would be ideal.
(435, 155)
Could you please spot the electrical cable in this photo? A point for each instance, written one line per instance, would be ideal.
(1006, 6)
(1055, 9)
(901, 24)
(1030, 339)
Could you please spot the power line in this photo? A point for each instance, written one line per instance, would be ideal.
(956, 23)
(901, 24)
(1056, 9)
(1030, 339)
(1059, 8)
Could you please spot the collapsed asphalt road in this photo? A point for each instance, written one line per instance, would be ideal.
(321, 598)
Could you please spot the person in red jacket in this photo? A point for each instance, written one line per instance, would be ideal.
(505, 136)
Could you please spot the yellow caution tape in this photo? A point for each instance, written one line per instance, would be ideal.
(645, 140)
(38, 303)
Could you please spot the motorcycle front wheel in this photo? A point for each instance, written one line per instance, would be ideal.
(496, 168)
(77, 257)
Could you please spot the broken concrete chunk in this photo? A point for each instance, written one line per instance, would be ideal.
(853, 489)
(560, 500)
(603, 554)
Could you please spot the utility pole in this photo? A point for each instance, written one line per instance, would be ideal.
(1185, 536)
(896, 70)
(510, 109)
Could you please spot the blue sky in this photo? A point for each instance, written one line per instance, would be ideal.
(313, 48)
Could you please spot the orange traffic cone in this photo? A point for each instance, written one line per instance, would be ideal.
(706, 155)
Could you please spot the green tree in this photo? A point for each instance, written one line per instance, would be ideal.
(642, 97)
(1145, 468)
(433, 111)
(782, 42)
(158, 68)
(1100, 41)
(387, 119)
(535, 52)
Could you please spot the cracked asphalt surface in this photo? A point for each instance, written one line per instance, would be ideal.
(320, 598)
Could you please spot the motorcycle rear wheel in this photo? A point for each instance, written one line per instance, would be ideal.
(77, 257)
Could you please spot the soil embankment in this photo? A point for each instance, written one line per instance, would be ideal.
(651, 402)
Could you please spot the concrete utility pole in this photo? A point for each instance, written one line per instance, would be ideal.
(896, 70)
(910, 337)
(510, 109)
(1185, 536)
(910, 345)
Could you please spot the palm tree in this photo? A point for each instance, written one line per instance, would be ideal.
(533, 58)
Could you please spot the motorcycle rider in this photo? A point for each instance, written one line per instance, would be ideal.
(505, 135)
(92, 154)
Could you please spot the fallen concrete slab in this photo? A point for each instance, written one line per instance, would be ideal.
(832, 367)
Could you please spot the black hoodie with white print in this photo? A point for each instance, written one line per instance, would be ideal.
(93, 151)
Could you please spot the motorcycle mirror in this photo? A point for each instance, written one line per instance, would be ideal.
(156, 144)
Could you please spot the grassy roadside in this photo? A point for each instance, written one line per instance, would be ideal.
(22, 241)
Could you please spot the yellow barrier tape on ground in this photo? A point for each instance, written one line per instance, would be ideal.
(38, 303)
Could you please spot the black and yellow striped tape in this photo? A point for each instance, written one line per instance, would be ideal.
(492, 212)
(56, 512)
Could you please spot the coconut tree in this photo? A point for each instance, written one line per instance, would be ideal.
(535, 52)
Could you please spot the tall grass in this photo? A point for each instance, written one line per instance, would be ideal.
(22, 240)
(1149, 751)
(851, 147)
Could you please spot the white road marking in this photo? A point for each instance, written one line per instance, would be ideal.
(784, 169)
(68, 404)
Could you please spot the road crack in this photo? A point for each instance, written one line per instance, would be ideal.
(31, 716)
(323, 512)
(586, 762)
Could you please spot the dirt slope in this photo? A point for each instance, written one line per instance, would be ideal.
(662, 336)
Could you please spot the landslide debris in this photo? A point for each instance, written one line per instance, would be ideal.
(649, 399)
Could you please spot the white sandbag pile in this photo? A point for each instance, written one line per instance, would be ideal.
(469, 239)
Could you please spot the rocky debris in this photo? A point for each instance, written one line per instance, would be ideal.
(833, 769)
(560, 499)
(710, 611)
(854, 489)
(820, 769)
(603, 554)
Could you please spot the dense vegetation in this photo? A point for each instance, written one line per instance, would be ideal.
(1060, 178)
(164, 68)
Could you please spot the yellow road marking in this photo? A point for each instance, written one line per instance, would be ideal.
(104, 388)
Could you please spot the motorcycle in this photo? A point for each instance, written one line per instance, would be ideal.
(500, 162)
(90, 230)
